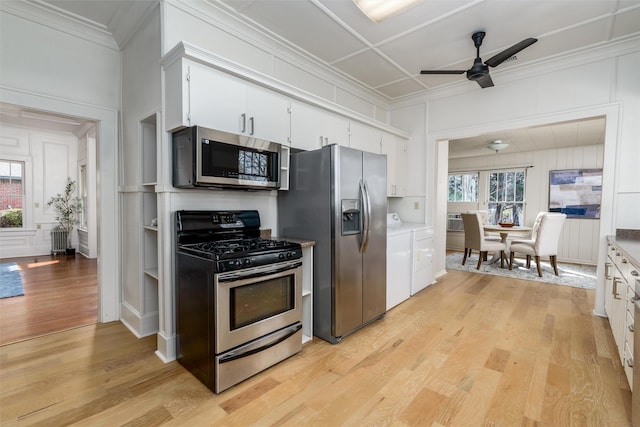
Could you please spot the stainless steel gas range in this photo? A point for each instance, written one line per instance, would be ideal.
(238, 297)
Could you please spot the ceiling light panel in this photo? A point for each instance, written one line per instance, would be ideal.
(379, 10)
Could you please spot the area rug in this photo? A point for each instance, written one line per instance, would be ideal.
(10, 280)
(576, 275)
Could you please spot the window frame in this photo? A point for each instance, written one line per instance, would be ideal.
(23, 194)
(460, 178)
(518, 196)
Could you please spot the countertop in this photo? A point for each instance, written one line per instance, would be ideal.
(265, 233)
(303, 242)
(630, 247)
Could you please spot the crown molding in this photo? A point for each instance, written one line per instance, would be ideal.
(50, 16)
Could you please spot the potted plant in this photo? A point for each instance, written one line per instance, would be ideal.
(67, 207)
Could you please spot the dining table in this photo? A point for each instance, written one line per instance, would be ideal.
(504, 232)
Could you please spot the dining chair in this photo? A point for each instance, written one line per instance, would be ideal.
(484, 219)
(534, 232)
(543, 244)
(474, 239)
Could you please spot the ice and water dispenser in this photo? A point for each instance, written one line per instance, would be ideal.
(351, 216)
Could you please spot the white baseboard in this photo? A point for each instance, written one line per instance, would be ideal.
(166, 348)
(140, 326)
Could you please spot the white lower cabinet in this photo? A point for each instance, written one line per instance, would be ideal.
(422, 274)
(307, 294)
(620, 281)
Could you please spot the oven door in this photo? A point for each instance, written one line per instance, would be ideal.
(255, 302)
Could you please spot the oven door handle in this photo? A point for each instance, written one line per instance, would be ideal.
(248, 273)
(255, 347)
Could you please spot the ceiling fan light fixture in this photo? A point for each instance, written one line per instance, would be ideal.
(497, 145)
(378, 10)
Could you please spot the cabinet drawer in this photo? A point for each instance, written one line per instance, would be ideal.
(628, 330)
(627, 361)
(631, 295)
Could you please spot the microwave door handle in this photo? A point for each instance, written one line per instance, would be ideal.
(250, 349)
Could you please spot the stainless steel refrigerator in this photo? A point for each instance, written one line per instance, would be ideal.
(337, 197)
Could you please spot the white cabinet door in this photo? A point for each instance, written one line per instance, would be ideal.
(335, 130)
(394, 147)
(306, 126)
(217, 101)
(312, 128)
(365, 138)
(267, 115)
(200, 96)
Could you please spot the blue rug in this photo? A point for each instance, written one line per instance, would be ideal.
(10, 280)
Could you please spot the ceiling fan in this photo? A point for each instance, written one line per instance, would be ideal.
(479, 72)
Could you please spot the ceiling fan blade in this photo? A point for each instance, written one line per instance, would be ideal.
(443, 71)
(485, 81)
(498, 59)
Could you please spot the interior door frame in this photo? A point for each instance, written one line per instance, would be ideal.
(440, 141)
(107, 201)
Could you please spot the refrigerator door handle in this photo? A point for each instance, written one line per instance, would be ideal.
(366, 207)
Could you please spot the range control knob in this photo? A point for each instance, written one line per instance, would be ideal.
(281, 256)
(289, 255)
(247, 261)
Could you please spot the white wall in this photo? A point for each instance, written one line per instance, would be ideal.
(579, 238)
(50, 69)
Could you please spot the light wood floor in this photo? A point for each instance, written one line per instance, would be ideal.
(60, 292)
(472, 350)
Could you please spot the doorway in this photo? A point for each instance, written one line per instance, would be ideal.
(440, 140)
(107, 206)
(60, 292)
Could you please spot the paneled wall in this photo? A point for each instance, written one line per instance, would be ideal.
(579, 238)
(48, 158)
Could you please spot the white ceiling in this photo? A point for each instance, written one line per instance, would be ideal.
(558, 135)
(387, 57)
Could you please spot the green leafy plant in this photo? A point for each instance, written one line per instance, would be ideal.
(67, 207)
(11, 218)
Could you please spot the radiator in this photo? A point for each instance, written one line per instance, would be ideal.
(58, 241)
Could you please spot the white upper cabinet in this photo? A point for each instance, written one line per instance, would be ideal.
(312, 128)
(395, 149)
(306, 127)
(201, 96)
(335, 130)
(267, 115)
(365, 138)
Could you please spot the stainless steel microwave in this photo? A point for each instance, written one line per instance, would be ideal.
(209, 158)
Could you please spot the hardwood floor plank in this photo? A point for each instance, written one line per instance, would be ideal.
(471, 350)
(60, 292)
